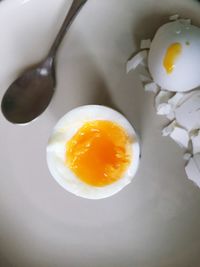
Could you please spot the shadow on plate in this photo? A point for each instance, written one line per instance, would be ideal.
(80, 81)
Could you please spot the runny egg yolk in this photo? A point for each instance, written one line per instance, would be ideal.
(173, 52)
(99, 153)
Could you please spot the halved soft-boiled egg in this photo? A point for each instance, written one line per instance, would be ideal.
(174, 56)
(93, 152)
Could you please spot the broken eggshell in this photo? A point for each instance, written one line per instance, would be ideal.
(178, 134)
(181, 108)
(161, 102)
(193, 169)
(136, 60)
(195, 138)
(188, 113)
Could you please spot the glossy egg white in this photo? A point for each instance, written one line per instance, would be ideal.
(65, 129)
(186, 74)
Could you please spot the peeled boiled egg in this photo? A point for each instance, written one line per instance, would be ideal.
(174, 56)
(93, 152)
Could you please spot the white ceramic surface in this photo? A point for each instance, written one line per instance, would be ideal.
(155, 221)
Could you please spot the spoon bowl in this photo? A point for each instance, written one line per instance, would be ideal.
(30, 94)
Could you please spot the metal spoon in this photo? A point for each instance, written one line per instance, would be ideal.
(29, 95)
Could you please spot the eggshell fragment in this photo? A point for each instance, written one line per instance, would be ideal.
(171, 116)
(136, 60)
(187, 156)
(175, 100)
(169, 129)
(193, 169)
(195, 138)
(143, 73)
(188, 113)
(151, 87)
(178, 134)
(174, 17)
(161, 102)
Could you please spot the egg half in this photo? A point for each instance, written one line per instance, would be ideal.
(174, 56)
(93, 152)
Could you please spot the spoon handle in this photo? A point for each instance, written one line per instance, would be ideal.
(72, 13)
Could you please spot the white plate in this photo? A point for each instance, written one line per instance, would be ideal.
(154, 222)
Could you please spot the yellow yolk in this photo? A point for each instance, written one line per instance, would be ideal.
(99, 153)
(171, 55)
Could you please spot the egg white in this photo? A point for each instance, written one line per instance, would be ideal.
(186, 74)
(65, 129)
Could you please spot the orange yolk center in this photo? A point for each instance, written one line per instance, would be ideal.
(173, 52)
(99, 153)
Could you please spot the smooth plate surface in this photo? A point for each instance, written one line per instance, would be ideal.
(155, 221)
